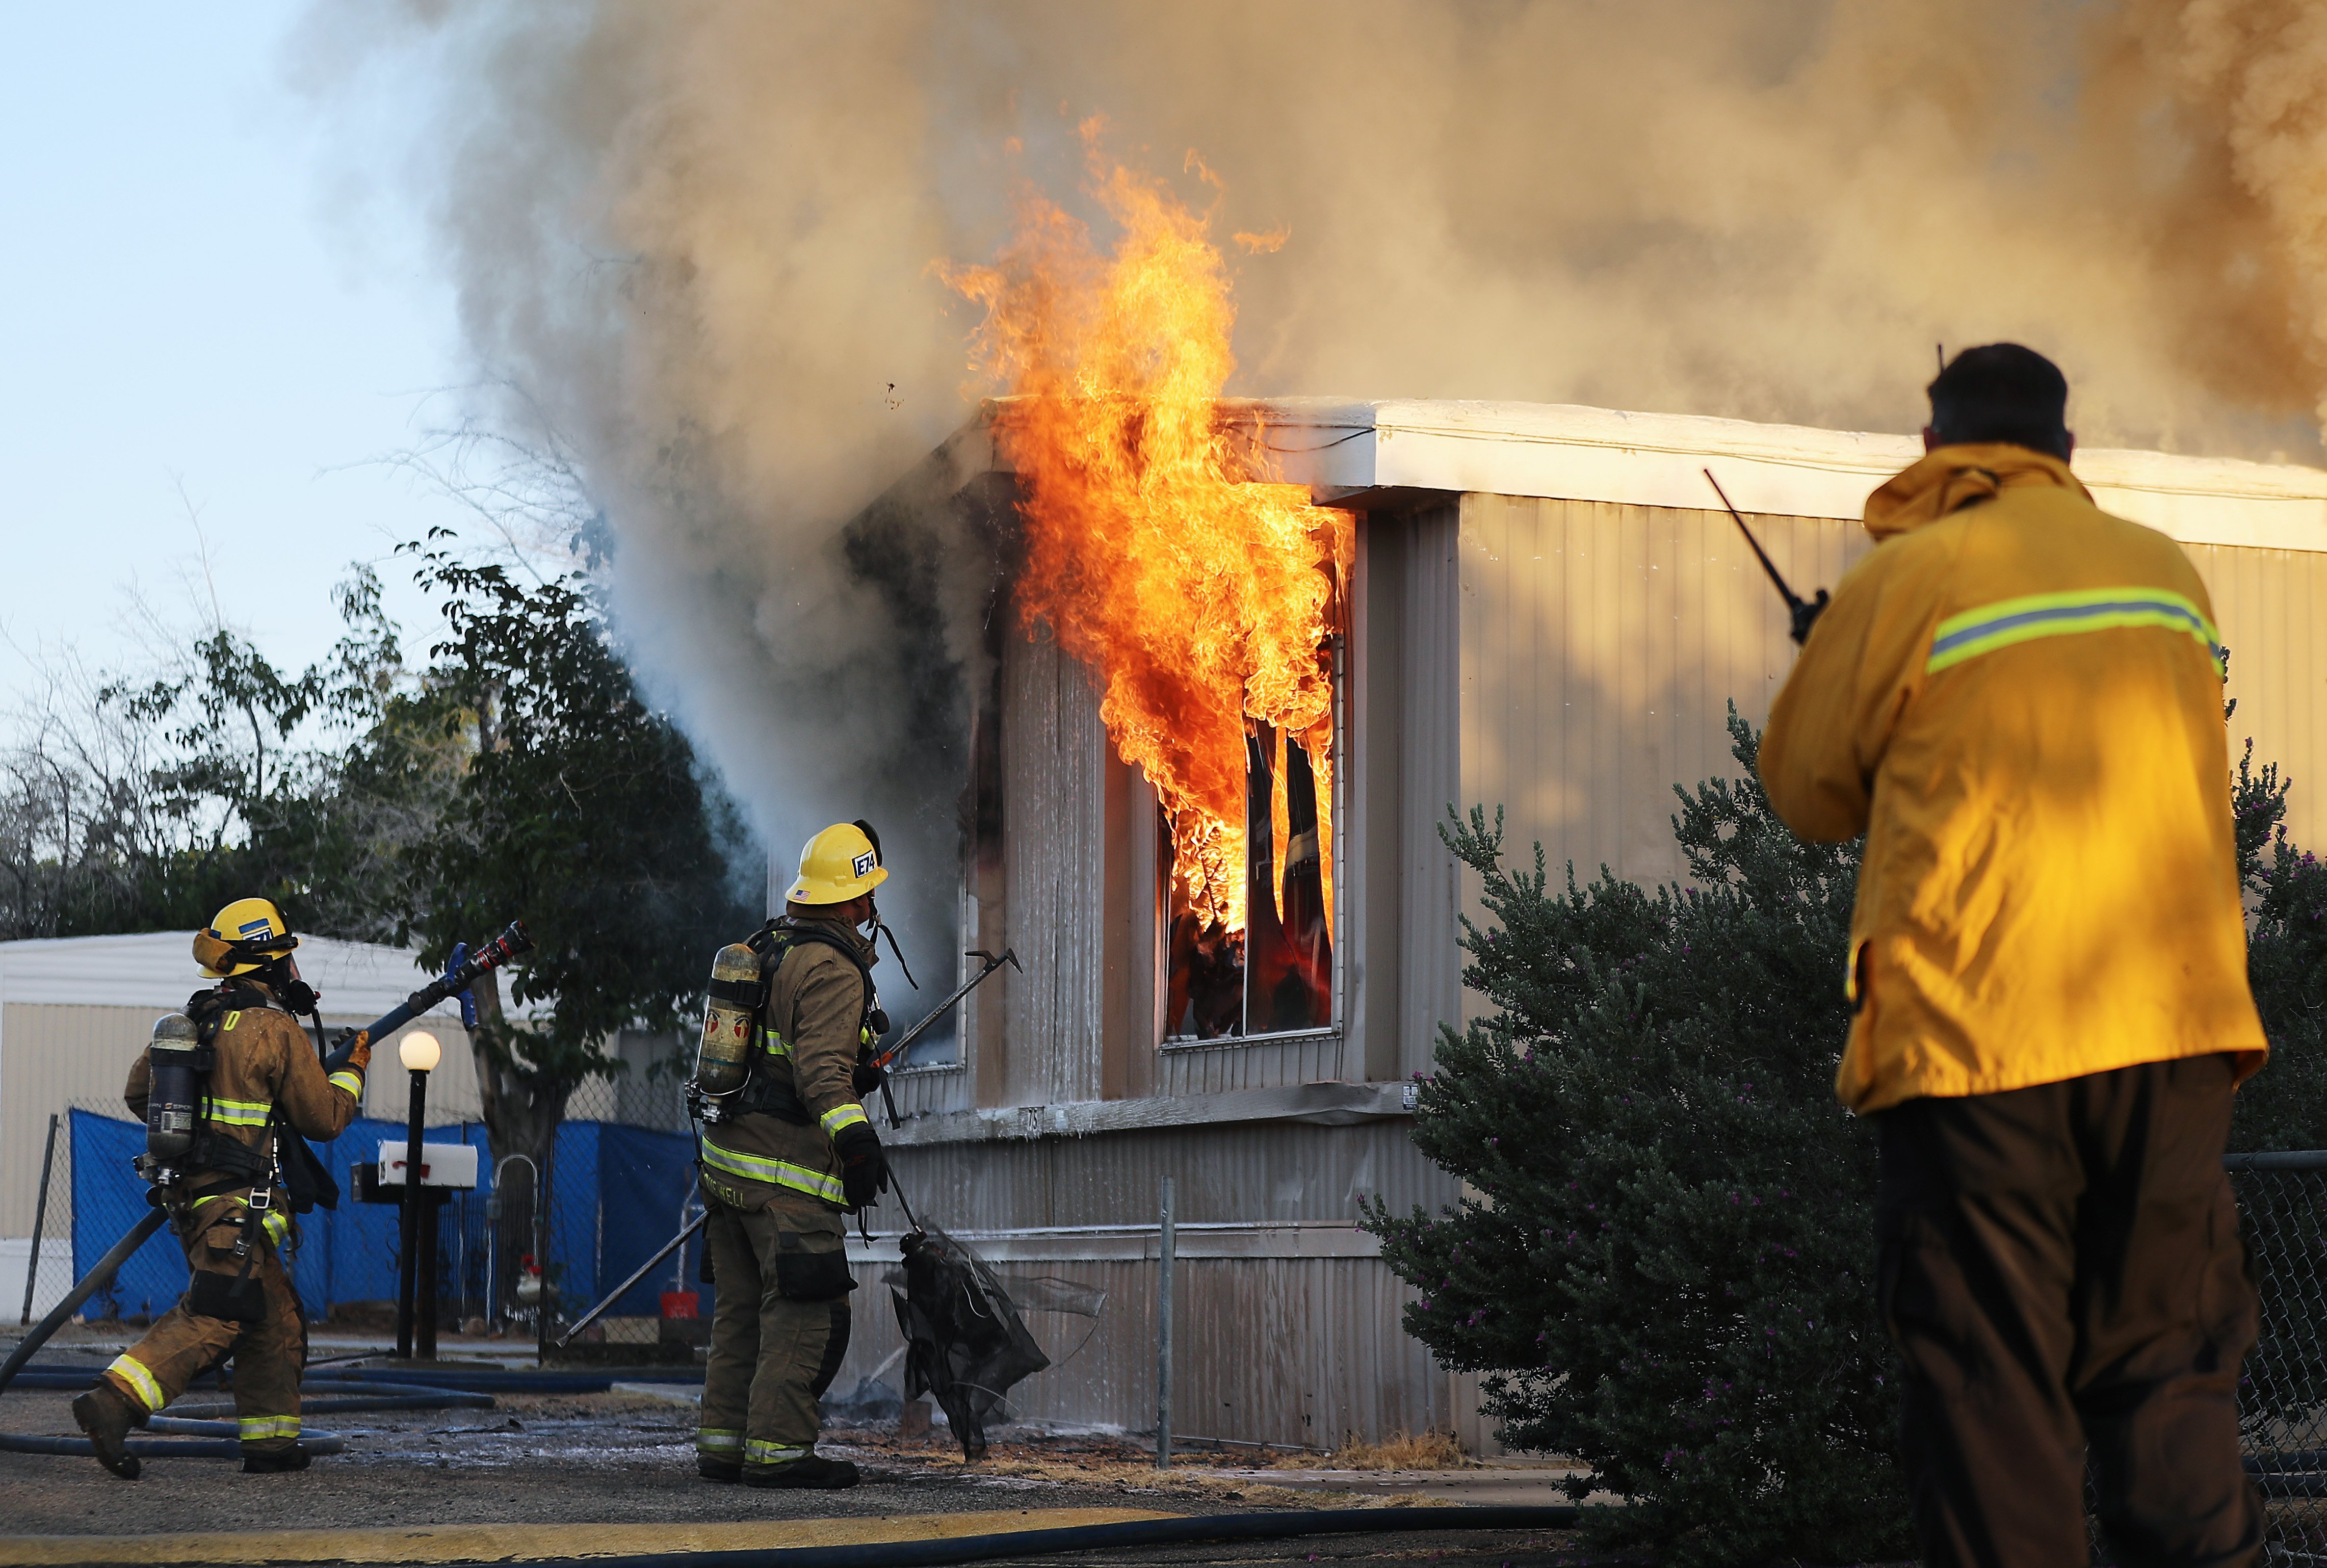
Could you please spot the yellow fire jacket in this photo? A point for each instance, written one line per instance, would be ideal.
(815, 1001)
(2018, 699)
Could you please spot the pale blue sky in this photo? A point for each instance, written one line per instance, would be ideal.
(183, 301)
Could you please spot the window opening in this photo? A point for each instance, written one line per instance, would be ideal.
(1261, 963)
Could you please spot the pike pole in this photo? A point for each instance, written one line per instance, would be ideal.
(672, 1245)
(509, 945)
(896, 1052)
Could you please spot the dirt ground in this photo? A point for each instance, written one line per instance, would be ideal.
(628, 1457)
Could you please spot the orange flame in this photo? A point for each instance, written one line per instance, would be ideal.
(1200, 594)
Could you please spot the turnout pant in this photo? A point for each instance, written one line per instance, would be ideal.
(269, 1355)
(2061, 1268)
(778, 1331)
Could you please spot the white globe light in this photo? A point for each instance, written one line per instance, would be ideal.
(419, 1052)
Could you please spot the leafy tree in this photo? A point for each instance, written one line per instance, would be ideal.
(581, 809)
(145, 805)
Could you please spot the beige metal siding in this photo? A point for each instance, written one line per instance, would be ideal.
(2272, 609)
(1272, 1348)
(1601, 647)
(1263, 1064)
(1602, 643)
(1432, 747)
(1054, 752)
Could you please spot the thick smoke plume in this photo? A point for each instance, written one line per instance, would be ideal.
(698, 238)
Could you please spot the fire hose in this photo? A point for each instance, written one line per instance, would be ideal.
(192, 1431)
(1095, 1539)
(509, 945)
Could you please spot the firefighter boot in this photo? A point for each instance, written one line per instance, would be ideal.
(106, 1417)
(717, 1470)
(276, 1461)
(814, 1472)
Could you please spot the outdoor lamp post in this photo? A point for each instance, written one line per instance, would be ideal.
(419, 1052)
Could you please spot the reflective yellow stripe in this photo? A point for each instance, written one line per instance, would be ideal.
(776, 1044)
(276, 1222)
(132, 1371)
(839, 1116)
(777, 1173)
(236, 1113)
(347, 1078)
(229, 1021)
(718, 1439)
(2023, 620)
(757, 1453)
(259, 1428)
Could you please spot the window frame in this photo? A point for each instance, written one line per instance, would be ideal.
(1337, 644)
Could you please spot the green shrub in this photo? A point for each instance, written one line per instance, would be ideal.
(1664, 1259)
(2284, 1107)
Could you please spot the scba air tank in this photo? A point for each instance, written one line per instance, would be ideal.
(176, 1096)
(723, 1060)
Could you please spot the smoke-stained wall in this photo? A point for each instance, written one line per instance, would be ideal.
(697, 238)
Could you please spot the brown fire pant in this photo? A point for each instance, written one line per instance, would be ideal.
(269, 1355)
(772, 1353)
(2062, 1270)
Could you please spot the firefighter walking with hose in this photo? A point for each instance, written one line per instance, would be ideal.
(786, 1153)
(217, 1088)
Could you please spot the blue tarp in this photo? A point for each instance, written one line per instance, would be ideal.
(617, 1194)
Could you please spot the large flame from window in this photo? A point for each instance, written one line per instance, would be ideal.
(1200, 594)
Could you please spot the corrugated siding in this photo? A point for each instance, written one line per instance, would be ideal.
(2271, 608)
(53, 1057)
(1278, 1172)
(1263, 1064)
(1433, 752)
(1053, 775)
(1271, 1349)
(1600, 645)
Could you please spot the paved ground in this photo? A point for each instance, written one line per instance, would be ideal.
(551, 1463)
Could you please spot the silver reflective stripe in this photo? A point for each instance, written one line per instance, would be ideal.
(775, 1172)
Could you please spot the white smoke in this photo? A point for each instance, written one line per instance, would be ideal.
(699, 235)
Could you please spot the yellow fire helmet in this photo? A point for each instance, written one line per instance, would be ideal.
(836, 866)
(248, 934)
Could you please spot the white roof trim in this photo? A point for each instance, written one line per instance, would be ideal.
(360, 981)
(1344, 450)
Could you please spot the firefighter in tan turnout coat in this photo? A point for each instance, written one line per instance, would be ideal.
(785, 1158)
(229, 1203)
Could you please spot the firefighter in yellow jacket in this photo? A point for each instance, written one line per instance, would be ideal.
(230, 1204)
(2017, 698)
(784, 1159)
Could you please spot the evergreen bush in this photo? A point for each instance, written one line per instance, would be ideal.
(1664, 1259)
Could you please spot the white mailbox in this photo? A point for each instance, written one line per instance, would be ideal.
(441, 1164)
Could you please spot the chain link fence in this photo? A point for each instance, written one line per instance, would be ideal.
(2283, 1401)
(528, 1251)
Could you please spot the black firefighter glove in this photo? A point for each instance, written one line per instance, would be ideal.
(863, 1169)
(865, 1079)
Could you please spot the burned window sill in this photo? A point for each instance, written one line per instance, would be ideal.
(1180, 1042)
